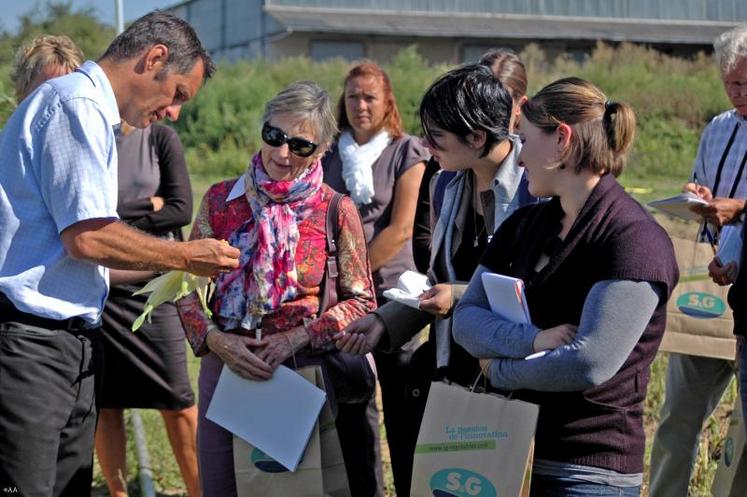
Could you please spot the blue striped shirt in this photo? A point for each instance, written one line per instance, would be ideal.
(59, 167)
(722, 156)
(721, 160)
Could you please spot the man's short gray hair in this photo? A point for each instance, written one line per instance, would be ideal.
(730, 46)
(306, 101)
(157, 27)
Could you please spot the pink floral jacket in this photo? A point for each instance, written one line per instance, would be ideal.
(218, 218)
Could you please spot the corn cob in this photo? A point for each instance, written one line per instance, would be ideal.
(170, 287)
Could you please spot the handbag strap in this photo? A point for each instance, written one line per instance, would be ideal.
(328, 290)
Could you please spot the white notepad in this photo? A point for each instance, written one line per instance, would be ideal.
(409, 287)
(679, 205)
(276, 415)
(506, 297)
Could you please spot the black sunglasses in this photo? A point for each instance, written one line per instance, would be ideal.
(275, 137)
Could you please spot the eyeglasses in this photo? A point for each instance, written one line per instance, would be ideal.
(275, 137)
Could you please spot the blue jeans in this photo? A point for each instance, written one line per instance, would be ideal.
(553, 486)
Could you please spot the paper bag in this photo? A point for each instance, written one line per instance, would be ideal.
(699, 321)
(731, 474)
(321, 472)
(334, 475)
(473, 445)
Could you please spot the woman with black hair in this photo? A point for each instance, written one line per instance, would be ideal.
(507, 68)
(470, 136)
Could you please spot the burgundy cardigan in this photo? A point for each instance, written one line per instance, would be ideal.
(613, 238)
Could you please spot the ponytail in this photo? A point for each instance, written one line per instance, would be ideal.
(619, 126)
(603, 131)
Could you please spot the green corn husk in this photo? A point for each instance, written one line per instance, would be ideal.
(170, 287)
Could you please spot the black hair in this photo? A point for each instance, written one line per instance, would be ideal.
(465, 100)
(163, 28)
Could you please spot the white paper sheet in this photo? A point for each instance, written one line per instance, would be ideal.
(276, 415)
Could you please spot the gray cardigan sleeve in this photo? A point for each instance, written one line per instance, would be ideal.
(482, 333)
(606, 336)
(401, 323)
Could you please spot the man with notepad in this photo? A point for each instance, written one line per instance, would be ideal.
(694, 385)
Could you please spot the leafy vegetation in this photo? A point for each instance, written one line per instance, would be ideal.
(80, 25)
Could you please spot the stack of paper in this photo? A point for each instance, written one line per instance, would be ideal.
(409, 286)
(680, 205)
(276, 415)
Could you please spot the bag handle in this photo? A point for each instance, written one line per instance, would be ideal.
(484, 376)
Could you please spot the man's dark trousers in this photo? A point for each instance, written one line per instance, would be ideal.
(47, 411)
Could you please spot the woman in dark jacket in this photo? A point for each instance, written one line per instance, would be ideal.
(596, 265)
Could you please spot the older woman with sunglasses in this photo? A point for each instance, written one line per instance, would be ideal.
(275, 213)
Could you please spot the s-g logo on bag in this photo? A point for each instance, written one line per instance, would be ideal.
(265, 463)
(459, 482)
(729, 452)
(701, 305)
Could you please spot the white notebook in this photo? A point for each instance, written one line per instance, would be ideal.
(506, 297)
(276, 415)
(679, 205)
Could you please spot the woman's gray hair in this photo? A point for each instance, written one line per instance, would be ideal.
(305, 100)
(730, 46)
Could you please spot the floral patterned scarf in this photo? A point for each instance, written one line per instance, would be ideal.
(266, 275)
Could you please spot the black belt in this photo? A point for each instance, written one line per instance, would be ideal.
(9, 312)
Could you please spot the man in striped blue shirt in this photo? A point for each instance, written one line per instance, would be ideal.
(695, 385)
(59, 228)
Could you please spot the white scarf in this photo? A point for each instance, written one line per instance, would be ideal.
(357, 162)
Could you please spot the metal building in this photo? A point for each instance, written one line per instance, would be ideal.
(451, 30)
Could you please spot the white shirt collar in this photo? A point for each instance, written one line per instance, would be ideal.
(239, 188)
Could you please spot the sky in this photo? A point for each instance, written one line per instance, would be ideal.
(11, 10)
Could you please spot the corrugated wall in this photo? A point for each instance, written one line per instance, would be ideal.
(227, 25)
(708, 10)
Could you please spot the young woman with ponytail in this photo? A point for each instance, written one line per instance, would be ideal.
(598, 269)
